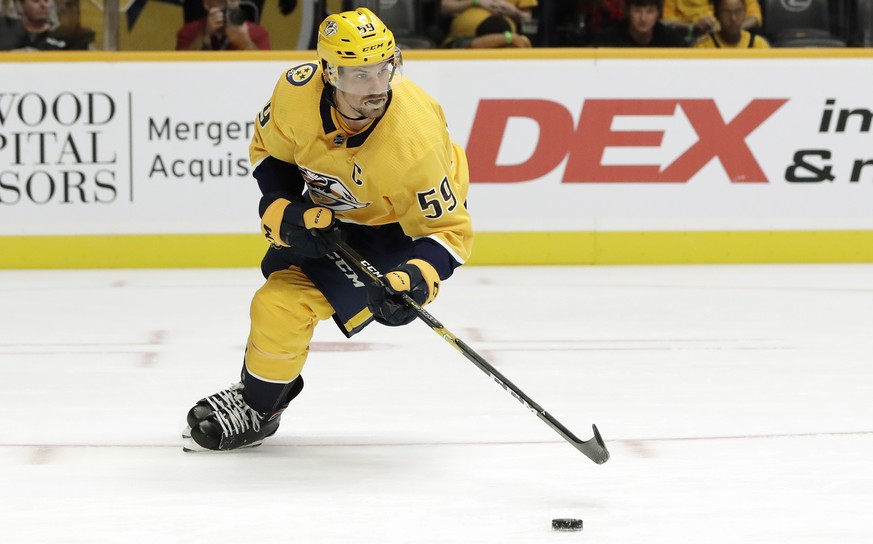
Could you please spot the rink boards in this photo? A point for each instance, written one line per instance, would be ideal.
(576, 156)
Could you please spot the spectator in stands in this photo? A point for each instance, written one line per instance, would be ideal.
(579, 23)
(70, 28)
(33, 31)
(223, 28)
(8, 21)
(697, 17)
(487, 23)
(600, 15)
(731, 14)
(194, 9)
(641, 28)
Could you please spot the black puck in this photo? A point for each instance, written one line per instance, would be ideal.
(567, 524)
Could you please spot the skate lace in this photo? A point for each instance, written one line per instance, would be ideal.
(232, 412)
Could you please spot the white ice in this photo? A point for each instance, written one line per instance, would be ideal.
(735, 401)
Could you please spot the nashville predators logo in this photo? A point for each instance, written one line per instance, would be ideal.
(300, 75)
(330, 192)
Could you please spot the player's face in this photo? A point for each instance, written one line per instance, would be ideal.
(730, 15)
(366, 80)
(642, 18)
(369, 106)
(364, 89)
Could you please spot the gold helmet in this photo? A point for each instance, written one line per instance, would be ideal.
(358, 38)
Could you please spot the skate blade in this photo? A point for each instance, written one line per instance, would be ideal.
(193, 447)
(190, 446)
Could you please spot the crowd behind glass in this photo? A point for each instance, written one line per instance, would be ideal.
(39, 25)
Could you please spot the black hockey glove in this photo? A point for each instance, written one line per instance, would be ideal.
(417, 278)
(296, 223)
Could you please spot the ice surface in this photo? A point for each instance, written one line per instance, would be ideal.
(735, 400)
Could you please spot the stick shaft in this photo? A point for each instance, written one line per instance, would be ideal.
(594, 449)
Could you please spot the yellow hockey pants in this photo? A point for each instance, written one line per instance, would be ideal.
(284, 313)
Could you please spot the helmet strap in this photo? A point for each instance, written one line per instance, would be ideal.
(336, 107)
(350, 118)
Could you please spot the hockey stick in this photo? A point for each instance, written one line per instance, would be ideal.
(594, 448)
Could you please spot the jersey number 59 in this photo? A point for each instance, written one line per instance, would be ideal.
(437, 202)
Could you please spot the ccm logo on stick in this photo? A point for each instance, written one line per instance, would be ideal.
(584, 144)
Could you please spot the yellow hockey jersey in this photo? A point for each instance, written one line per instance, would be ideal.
(747, 41)
(403, 168)
(690, 11)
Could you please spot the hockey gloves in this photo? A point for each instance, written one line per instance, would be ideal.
(295, 223)
(417, 278)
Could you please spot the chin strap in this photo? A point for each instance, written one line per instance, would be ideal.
(332, 102)
(349, 118)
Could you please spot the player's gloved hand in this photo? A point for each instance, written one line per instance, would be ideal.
(415, 277)
(297, 224)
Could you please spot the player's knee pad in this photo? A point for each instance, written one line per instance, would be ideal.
(284, 312)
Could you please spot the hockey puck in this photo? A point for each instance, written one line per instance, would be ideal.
(567, 524)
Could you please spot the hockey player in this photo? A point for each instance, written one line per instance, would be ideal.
(344, 143)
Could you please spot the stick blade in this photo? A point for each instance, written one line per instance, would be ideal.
(595, 448)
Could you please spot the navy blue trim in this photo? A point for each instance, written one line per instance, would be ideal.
(265, 397)
(434, 253)
(278, 179)
(324, 108)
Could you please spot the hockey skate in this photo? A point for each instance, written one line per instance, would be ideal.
(225, 422)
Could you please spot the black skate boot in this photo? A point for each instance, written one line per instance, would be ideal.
(224, 421)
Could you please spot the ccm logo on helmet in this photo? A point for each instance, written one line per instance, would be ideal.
(372, 47)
